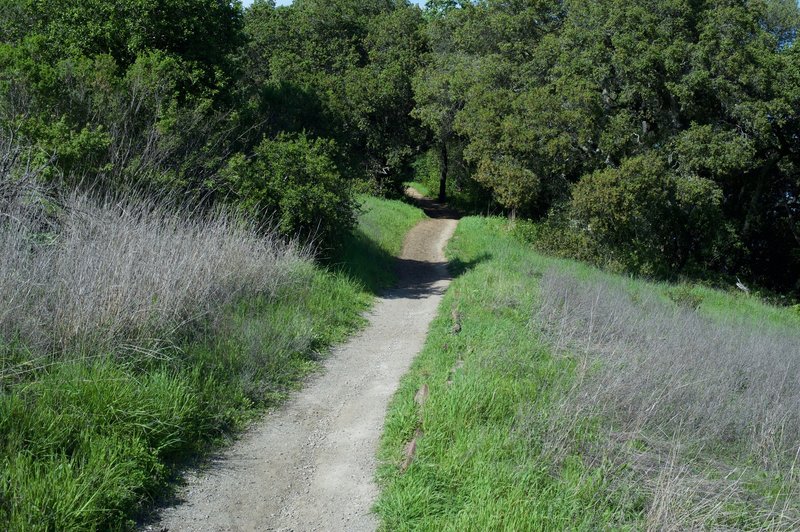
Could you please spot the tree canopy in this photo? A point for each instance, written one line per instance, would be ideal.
(663, 134)
(561, 103)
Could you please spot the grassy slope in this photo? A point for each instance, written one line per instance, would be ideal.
(378, 237)
(84, 444)
(479, 462)
(421, 188)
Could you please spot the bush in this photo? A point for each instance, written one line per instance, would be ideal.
(559, 236)
(513, 185)
(650, 220)
(295, 180)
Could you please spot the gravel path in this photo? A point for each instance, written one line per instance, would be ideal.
(310, 465)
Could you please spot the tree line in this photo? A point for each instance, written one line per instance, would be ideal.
(660, 137)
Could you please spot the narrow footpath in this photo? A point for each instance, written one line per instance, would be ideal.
(310, 465)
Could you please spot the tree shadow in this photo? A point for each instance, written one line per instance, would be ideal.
(420, 279)
(382, 274)
(459, 267)
(365, 262)
(432, 208)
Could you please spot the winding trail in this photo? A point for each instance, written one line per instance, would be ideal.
(310, 465)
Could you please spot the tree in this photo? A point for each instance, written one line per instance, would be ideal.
(651, 220)
(294, 181)
(556, 93)
(355, 60)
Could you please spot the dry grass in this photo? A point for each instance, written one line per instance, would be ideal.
(705, 413)
(82, 274)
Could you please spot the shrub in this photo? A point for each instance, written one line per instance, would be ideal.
(559, 236)
(295, 180)
(650, 220)
(513, 185)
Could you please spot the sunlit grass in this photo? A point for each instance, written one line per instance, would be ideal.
(508, 440)
(183, 330)
(367, 253)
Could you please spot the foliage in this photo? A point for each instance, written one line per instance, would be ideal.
(294, 179)
(154, 95)
(543, 95)
(353, 63)
(519, 101)
(650, 220)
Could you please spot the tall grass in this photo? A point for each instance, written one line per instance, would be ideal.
(91, 275)
(709, 404)
(112, 360)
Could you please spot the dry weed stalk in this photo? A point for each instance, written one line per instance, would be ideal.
(674, 380)
(83, 275)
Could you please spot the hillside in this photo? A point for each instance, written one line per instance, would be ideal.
(201, 199)
(560, 397)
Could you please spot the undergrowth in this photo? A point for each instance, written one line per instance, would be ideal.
(518, 431)
(133, 337)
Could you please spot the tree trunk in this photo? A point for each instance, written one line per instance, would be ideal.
(443, 174)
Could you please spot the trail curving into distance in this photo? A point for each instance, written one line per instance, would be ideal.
(310, 464)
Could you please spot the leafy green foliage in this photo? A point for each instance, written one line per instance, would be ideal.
(545, 94)
(123, 96)
(203, 33)
(353, 61)
(295, 179)
(650, 220)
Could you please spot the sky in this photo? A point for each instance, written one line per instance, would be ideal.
(287, 2)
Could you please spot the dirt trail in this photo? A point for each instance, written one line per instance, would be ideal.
(310, 464)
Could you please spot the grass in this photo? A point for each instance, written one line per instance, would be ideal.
(382, 226)
(133, 337)
(531, 425)
(123, 272)
(420, 187)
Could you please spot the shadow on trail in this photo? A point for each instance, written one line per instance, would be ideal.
(370, 265)
(419, 279)
(432, 208)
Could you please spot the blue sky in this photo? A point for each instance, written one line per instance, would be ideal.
(287, 2)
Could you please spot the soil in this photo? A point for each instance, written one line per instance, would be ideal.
(310, 465)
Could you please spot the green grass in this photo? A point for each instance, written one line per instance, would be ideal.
(420, 187)
(485, 460)
(382, 226)
(87, 443)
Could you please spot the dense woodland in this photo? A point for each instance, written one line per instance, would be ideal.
(658, 137)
